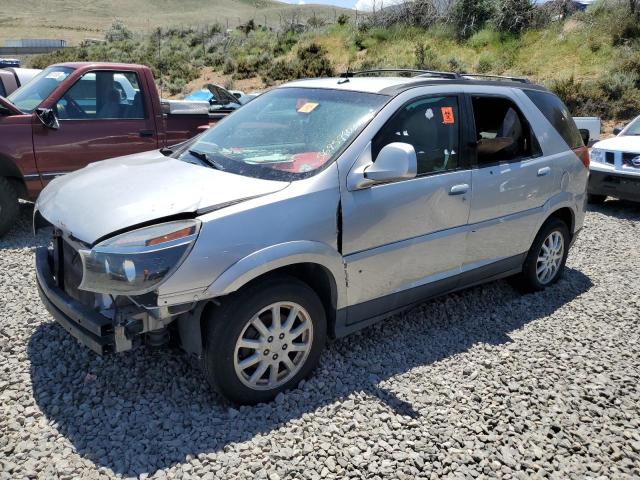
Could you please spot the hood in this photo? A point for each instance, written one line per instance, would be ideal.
(112, 195)
(620, 144)
(6, 103)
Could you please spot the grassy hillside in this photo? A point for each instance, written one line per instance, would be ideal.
(75, 20)
(592, 59)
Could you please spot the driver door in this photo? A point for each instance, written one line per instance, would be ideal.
(405, 240)
(97, 120)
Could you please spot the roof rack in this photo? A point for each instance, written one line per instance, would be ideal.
(433, 73)
(495, 77)
(415, 72)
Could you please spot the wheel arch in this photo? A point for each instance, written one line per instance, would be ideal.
(566, 215)
(315, 263)
(10, 171)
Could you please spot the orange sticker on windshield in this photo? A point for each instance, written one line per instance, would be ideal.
(307, 107)
(447, 115)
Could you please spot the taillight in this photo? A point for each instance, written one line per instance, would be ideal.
(583, 155)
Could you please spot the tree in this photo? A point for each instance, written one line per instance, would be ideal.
(468, 16)
(513, 16)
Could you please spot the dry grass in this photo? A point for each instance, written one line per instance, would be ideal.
(75, 20)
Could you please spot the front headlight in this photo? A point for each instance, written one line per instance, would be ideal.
(136, 262)
(597, 155)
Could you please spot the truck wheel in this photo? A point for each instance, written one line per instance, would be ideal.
(545, 261)
(596, 199)
(9, 207)
(263, 340)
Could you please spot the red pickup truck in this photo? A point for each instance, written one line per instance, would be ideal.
(73, 114)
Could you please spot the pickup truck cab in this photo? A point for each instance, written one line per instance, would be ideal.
(74, 114)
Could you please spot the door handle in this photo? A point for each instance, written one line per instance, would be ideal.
(544, 171)
(146, 133)
(459, 189)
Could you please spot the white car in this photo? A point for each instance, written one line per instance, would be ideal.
(615, 166)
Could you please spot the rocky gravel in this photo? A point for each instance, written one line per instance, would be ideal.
(483, 383)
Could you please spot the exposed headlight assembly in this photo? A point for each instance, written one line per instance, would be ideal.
(597, 155)
(136, 262)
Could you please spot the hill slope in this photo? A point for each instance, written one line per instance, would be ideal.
(75, 20)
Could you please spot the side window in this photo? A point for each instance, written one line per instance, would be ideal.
(432, 126)
(502, 132)
(103, 96)
(558, 115)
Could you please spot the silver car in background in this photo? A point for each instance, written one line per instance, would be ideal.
(315, 210)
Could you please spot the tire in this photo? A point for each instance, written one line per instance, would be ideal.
(530, 280)
(9, 207)
(596, 199)
(245, 375)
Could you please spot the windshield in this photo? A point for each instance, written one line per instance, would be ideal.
(287, 133)
(632, 129)
(28, 97)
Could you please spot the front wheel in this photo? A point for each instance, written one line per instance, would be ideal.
(264, 340)
(546, 259)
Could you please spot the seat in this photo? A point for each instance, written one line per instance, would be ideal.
(136, 110)
(111, 105)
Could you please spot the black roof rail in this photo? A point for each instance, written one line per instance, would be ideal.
(495, 77)
(416, 72)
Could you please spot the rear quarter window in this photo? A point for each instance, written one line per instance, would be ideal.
(558, 115)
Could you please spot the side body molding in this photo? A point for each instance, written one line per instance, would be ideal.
(282, 255)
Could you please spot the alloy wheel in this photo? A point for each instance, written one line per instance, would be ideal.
(550, 257)
(273, 346)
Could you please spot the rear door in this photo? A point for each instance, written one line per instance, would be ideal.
(105, 114)
(404, 240)
(512, 180)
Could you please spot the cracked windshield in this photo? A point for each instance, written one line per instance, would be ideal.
(288, 133)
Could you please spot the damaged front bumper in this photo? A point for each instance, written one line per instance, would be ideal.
(103, 332)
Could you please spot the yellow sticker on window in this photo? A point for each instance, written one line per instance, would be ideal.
(308, 107)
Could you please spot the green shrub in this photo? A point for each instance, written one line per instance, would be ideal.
(118, 32)
(455, 65)
(426, 58)
(343, 19)
(229, 66)
(615, 85)
(313, 62)
(486, 63)
(625, 32)
(581, 98)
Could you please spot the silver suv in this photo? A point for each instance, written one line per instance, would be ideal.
(315, 210)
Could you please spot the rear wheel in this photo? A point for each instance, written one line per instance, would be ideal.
(596, 199)
(546, 259)
(9, 207)
(264, 340)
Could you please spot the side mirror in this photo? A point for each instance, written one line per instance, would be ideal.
(396, 161)
(617, 130)
(48, 118)
(584, 133)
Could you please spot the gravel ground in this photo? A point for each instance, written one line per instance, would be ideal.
(482, 383)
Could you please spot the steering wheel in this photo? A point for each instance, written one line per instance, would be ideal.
(72, 109)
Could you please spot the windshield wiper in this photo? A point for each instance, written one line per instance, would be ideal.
(206, 159)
